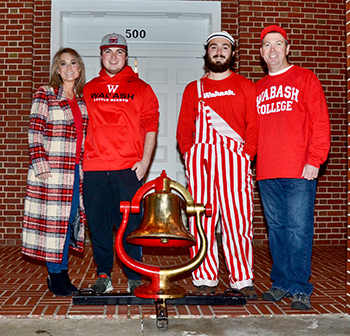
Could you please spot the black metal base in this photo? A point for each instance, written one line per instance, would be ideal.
(229, 297)
(222, 299)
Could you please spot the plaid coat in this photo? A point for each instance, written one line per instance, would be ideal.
(52, 148)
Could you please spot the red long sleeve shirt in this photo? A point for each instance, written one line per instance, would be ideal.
(233, 98)
(78, 126)
(293, 122)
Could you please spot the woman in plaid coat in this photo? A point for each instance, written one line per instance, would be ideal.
(54, 216)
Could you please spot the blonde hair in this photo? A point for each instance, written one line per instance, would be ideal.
(55, 77)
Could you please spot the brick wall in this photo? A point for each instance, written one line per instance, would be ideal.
(348, 110)
(16, 64)
(24, 65)
(316, 30)
(41, 42)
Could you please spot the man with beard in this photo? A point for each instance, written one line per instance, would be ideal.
(217, 134)
(121, 136)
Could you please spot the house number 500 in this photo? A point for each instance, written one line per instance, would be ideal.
(134, 33)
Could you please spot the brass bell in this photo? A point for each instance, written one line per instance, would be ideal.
(162, 224)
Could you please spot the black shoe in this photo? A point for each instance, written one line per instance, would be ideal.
(203, 289)
(301, 301)
(57, 285)
(68, 283)
(132, 285)
(103, 284)
(275, 294)
(249, 292)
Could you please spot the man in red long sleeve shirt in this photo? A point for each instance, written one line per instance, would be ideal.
(294, 140)
(217, 134)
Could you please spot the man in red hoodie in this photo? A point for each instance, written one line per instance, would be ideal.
(294, 140)
(121, 136)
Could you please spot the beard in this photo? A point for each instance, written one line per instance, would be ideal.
(213, 65)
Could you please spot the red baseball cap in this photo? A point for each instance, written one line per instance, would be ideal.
(273, 29)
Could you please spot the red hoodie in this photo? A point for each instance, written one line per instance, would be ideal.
(122, 109)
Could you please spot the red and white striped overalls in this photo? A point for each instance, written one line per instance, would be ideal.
(219, 173)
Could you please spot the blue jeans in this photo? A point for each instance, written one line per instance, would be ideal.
(63, 265)
(289, 210)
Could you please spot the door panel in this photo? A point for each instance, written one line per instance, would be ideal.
(168, 78)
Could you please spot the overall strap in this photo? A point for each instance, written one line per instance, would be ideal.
(199, 89)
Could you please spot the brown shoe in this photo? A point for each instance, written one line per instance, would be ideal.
(249, 292)
(205, 290)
